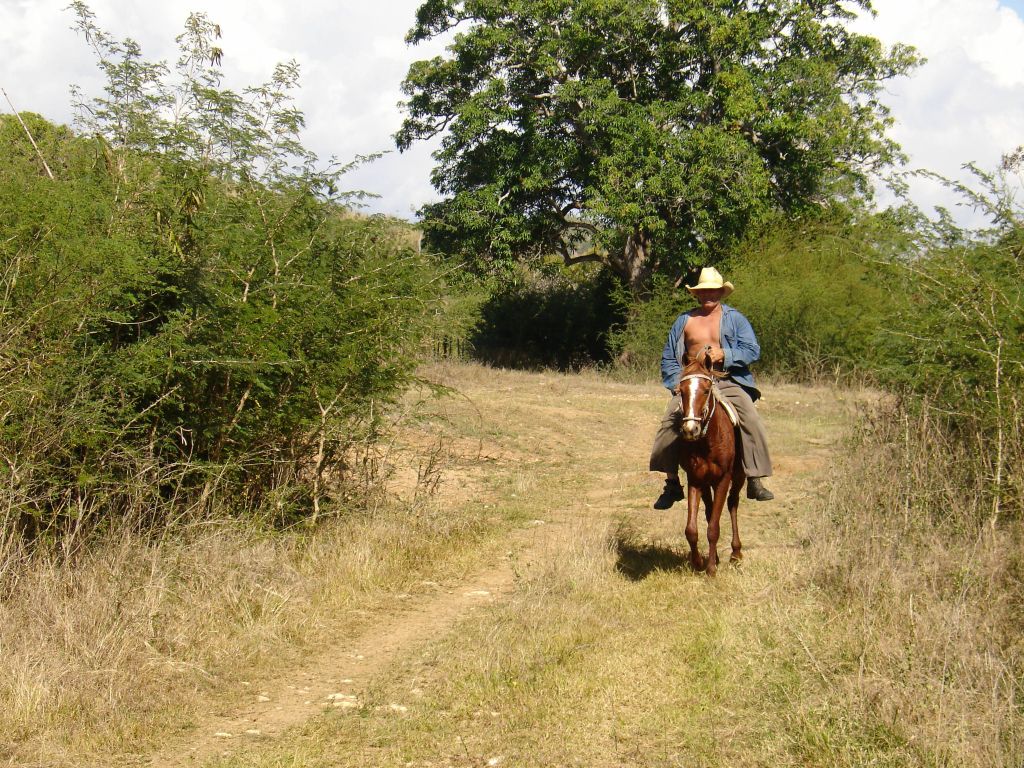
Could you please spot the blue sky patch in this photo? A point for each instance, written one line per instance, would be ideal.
(1016, 5)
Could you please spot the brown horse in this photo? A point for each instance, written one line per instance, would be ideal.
(708, 455)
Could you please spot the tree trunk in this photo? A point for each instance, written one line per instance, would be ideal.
(635, 265)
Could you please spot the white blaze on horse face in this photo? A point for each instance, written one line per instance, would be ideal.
(690, 428)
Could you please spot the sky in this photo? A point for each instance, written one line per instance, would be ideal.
(966, 104)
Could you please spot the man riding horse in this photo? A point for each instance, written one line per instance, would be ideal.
(733, 347)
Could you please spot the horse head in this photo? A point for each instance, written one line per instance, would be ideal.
(696, 399)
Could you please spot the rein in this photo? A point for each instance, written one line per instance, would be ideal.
(712, 401)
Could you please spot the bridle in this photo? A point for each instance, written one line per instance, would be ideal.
(709, 405)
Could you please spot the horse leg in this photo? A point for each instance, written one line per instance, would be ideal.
(734, 503)
(692, 505)
(708, 499)
(713, 524)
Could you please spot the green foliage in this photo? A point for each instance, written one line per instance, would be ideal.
(812, 291)
(956, 340)
(963, 325)
(817, 295)
(647, 135)
(637, 343)
(558, 320)
(188, 307)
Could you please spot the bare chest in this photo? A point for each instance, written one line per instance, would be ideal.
(700, 331)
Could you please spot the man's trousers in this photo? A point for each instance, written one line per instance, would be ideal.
(753, 439)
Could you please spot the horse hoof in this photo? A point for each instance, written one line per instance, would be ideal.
(736, 558)
(712, 569)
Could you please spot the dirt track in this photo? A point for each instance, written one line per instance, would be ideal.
(516, 434)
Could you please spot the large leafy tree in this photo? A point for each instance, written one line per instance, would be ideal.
(647, 134)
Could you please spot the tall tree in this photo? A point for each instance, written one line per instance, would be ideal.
(646, 134)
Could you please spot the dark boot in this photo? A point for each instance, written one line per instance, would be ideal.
(672, 493)
(757, 491)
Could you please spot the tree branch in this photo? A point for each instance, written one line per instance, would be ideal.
(29, 134)
(591, 255)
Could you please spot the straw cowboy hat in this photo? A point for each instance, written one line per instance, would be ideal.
(711, 278)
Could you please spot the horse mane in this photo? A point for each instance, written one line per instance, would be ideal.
(701, 364)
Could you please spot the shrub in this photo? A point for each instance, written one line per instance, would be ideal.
(956, 340)
(559, 320)
(814, 295)
(809, 291)
(189, 307)
(637, 343)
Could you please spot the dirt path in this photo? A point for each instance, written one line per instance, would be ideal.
(335, 677)
(573, 447)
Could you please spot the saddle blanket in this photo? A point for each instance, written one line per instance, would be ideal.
(729, 409)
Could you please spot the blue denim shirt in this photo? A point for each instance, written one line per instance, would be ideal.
(738, 342)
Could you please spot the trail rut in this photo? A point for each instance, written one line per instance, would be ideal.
(594, 435)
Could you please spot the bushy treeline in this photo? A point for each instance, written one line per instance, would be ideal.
(925, 512)
(923, 308)
(954, 336)
(813, 291)
(189, 308)
(557, 319)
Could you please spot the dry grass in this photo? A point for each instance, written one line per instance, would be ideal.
(927, 621)
(866, 627)
(587, 666)
(131, 642)
(611, 652)
(115, 650)
(849, 638)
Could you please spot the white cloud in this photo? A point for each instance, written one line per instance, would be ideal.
(966, 104)
(352, 55)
